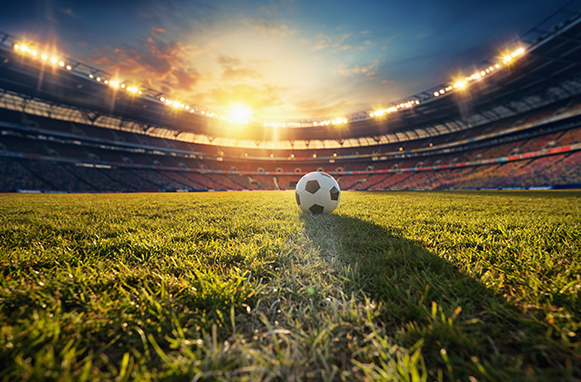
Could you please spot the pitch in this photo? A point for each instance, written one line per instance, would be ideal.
(243, 286)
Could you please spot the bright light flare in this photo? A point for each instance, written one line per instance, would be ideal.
(518, 52)
(132, 89)
(240, 112)
(460, 84)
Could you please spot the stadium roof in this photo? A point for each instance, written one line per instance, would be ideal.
(539, 68)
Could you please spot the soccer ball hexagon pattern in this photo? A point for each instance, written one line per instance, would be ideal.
(317, 193)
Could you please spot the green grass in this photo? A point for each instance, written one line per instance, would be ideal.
(242, 286)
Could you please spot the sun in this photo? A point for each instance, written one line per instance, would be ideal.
(240, 112)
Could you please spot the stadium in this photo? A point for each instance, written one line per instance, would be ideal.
(477, 284)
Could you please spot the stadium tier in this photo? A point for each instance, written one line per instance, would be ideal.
(42, 154)
(520, 127)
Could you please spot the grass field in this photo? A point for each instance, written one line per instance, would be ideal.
(446, 286)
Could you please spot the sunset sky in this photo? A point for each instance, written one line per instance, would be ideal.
(282, 59)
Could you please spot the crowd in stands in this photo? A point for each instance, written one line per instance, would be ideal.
(70, 165)
(13, 176)
(569, 137)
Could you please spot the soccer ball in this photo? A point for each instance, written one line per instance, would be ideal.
(317, 193)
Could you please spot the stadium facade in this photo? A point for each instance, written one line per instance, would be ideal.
(513, 122)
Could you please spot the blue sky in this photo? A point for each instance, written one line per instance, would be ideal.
(282, 59)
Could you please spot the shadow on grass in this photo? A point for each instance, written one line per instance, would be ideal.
(468, 329)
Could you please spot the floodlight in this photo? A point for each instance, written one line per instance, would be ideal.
(518, 52)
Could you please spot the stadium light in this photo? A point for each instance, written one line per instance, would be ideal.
(518, 52)
(241, 115)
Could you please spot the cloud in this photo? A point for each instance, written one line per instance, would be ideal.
(68, 12)
(323, 43)
(314, 108)
(154, 60)
(368, 70)
(234, 70)
(185, 78)
(271, 28)
(339, 43)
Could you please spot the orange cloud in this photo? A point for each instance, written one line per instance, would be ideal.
(155, 62)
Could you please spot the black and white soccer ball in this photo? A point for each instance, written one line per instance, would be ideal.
(318, 193)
